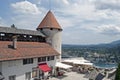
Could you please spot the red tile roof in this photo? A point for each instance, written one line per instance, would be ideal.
(49, 21)
(25, 50)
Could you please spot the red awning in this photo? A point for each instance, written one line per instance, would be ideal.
(44, 67)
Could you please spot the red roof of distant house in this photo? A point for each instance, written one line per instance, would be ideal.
(49, 21)
(25, 50)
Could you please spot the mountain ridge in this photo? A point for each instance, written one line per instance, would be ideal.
(111, 44)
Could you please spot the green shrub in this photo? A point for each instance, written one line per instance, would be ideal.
(117, 77)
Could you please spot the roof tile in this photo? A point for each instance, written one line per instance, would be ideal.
(49, 21)
(25, 50)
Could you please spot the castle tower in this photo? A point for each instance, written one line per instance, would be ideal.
(51, 28)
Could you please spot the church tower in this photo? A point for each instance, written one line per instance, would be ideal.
(51, 28)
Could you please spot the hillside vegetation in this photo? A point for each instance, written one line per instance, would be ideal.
(113, 49)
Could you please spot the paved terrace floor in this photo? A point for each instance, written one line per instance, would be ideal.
(70, 76)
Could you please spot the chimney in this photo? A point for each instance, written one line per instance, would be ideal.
(14, 42)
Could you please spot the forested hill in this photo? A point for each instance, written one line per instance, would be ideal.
(110, 48)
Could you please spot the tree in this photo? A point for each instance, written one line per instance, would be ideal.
(117, 77)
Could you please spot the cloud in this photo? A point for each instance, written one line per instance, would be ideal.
(108, 29)
(86, 20)
(25, 7)
(53, 4)
(26, 21)
(105, 4)
(84, 15)
(65, 1)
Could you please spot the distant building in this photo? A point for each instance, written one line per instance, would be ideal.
(28, 54)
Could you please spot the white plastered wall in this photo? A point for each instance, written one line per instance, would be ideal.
(17, 68)
(54, 39)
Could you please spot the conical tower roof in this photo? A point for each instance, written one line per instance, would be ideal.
(49, 21)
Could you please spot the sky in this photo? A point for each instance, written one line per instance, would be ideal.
(82, 21)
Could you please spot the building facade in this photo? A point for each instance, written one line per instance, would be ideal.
(28, 54)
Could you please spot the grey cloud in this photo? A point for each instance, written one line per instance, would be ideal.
(111, 30)
(107, 5)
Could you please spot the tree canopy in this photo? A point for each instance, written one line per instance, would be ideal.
(117, 77)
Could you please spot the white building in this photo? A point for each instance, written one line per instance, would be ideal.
(27, 54)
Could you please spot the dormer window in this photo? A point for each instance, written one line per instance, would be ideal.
(30, 36)
(2, 34)
(25, 36)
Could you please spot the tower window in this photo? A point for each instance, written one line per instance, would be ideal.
(59, 29)
(41, 29)
(51, 28)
